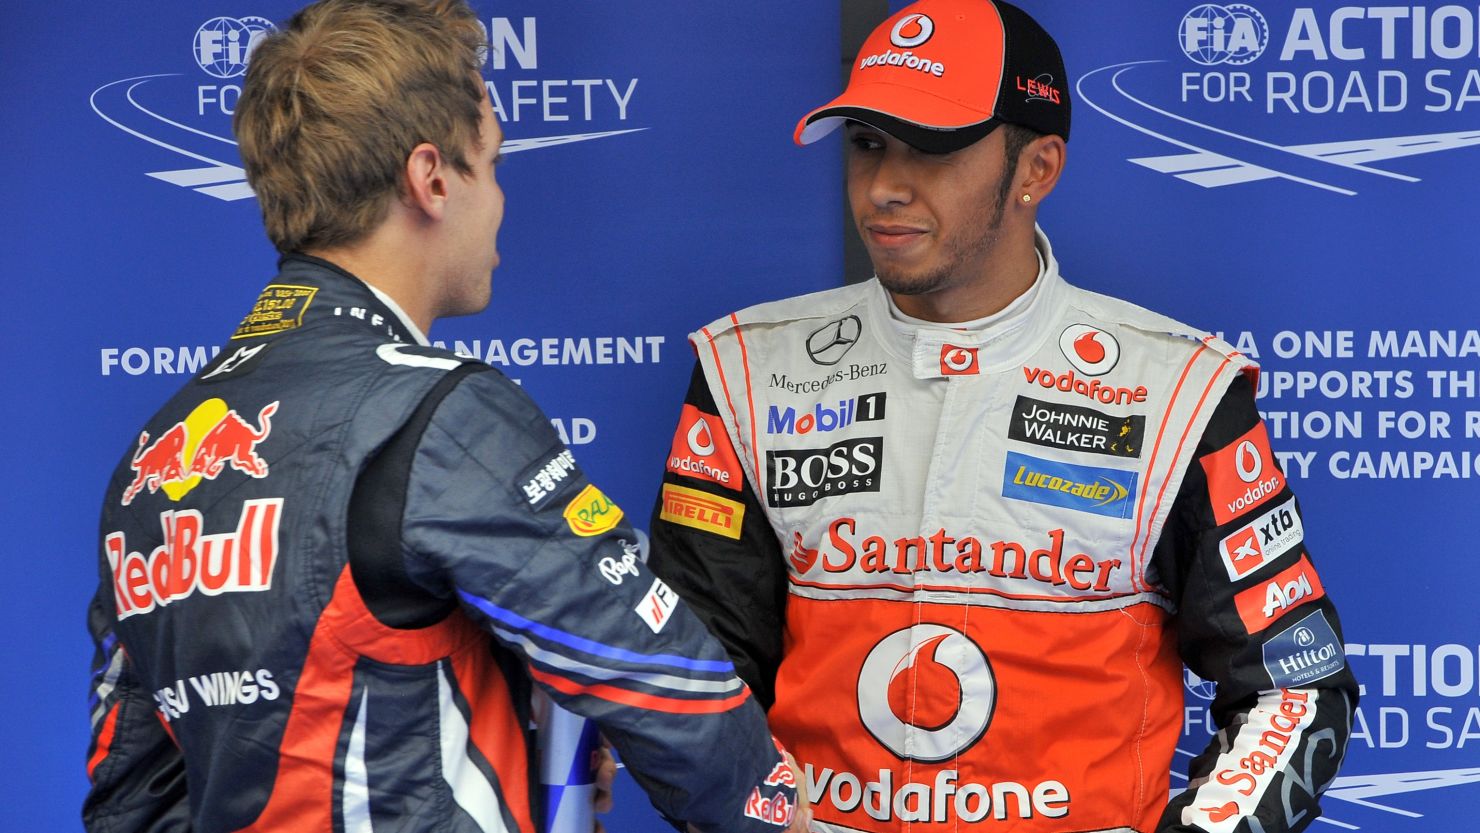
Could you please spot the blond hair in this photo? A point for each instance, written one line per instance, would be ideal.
(334, 103)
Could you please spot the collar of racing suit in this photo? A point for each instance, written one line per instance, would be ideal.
(335, 292)
(1000, 341)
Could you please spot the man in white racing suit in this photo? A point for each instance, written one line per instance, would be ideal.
(961, 526)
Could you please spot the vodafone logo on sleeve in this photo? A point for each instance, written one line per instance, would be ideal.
(1242, 475)
(702, 449)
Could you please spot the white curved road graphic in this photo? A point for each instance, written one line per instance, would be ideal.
(1218, 157)
(115, 104)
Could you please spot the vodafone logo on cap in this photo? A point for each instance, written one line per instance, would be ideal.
(926, 693)
(1091, 350)
(912, 30)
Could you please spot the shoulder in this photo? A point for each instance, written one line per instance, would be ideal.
(489, 416)
(815, 307)
(1148, 329)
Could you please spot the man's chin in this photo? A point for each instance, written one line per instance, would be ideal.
(900, 282)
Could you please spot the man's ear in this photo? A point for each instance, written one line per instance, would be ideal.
(1040, 166)
(426, 180)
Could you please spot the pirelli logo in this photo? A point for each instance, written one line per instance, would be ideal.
(701, 510)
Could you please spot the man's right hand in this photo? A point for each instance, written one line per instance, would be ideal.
(803, 820)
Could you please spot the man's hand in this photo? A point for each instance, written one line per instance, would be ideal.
(606, 774)
(803, 821)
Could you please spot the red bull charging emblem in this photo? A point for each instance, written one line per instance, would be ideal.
(202, 446)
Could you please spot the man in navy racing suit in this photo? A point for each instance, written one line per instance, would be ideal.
(333, 564)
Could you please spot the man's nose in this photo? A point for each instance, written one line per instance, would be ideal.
(891, 182)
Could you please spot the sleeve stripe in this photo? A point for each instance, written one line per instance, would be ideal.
(562, 663)
(514, 620)
(650, 702)
(105, 740)
(749, 397)
(105, 680)
(1202, 400)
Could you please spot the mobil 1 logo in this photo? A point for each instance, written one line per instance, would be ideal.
(801, 477)
(1075, 428)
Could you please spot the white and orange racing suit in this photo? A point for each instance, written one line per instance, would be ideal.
(964, 567)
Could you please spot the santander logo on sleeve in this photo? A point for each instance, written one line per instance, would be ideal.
(702, 449)
(1242, 475)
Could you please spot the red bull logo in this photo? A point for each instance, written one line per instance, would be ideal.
(189, 559)
(202, 446)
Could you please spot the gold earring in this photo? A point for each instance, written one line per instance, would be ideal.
(1027, 198)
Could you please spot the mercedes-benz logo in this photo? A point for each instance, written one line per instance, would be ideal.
(828, 344)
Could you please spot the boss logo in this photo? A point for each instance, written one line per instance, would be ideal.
(804, 476)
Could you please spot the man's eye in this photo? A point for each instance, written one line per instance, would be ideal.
(864, 142)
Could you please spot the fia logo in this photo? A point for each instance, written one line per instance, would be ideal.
(223, 45)
(1234, 34)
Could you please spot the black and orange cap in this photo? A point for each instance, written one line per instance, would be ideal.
(941, 74)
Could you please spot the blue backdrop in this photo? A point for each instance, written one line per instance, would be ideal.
(1298, 178)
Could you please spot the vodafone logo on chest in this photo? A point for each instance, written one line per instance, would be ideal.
(1242, 475)
(926, 693)
(959, 361)
(1091, 350)
(701, 448)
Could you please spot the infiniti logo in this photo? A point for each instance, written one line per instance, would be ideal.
(828, 344)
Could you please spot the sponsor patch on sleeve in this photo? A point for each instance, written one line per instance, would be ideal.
(279, 308)
(702, 449)
(544, 478)
(702, 511)
(657, 606)
(1242, 475)
(1305, 652)
(591, 513)
(1262, 541)
(1261, 605)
